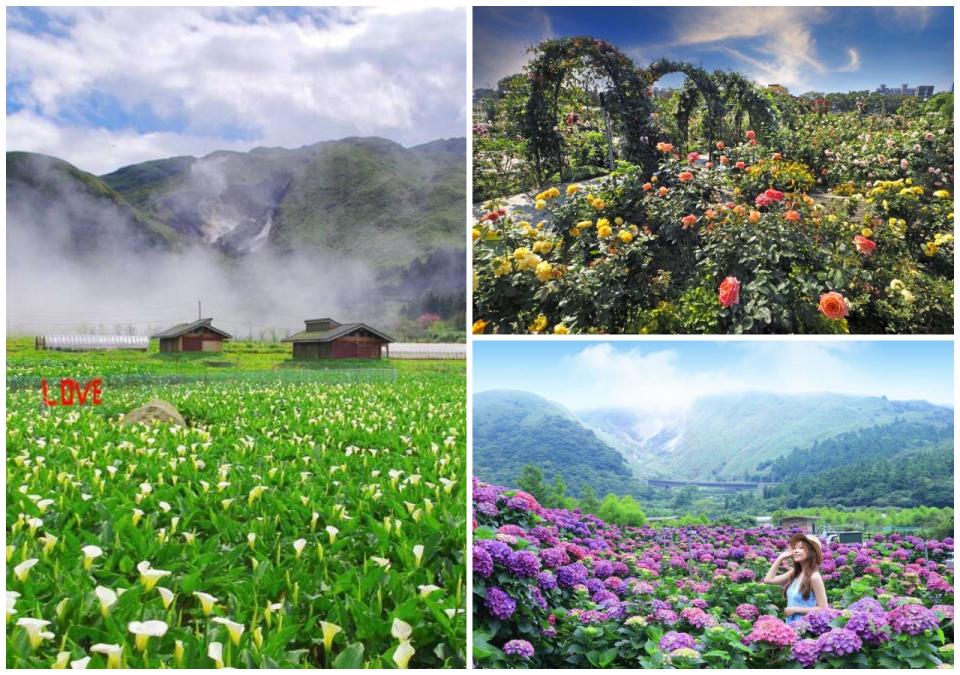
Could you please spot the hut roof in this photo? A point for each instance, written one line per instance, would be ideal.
(184, 328)
(798, 518)
(334, 333)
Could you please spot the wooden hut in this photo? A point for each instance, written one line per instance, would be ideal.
(328, 339)
(199, 336)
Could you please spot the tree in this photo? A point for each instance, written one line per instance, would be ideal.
(530, 480)
(558, 492)
(589, 502)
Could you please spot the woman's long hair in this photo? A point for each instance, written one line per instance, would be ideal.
(805, 571)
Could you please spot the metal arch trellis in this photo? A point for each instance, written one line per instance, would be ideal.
(629, 100)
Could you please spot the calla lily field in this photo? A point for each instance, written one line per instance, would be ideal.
(289, 524)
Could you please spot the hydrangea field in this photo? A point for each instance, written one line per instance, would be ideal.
(560, 589)
(288, 525)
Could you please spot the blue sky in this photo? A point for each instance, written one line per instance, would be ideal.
(103, 87)
(802, 48)
(667, 376)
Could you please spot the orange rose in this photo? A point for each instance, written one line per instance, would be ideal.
(647, 187)
(834, 305)
(662, 192)
(754, 217)
(724, 160)
(685, 176)
(741, 165)
(730, 292)
(792, 216)
(710, 214)
(688, 221)
(777, 156)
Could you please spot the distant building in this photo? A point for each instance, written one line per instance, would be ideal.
(199, 336)
(763, 521)
(328, 339)
(924, 91)
(86, 343)
(805, 524)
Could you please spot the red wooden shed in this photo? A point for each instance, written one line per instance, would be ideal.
(199, 336)
(328, 339)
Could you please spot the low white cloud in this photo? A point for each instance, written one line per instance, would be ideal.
(270, 77)
(854, 64)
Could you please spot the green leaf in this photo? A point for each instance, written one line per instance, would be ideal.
(351, 657)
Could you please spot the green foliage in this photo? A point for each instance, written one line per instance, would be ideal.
(621, 510)
(513, 430)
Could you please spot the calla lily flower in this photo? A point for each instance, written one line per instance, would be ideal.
(330, 631)
(11, 603)
(166, 596)
(34, 629)
(403, 653)
(427, 589)
(298, 546)
(63, 658)
(106, 597)
(215, 652)
(207, 602)
(332, 532)
(401, 630)
(90, 553)
(145, 630)
(418, 554)
(22, 570)
(80, 664)
(112, 652)
(149, 576)
(235, 629)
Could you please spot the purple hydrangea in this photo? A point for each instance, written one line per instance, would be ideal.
(946, 611)
(603, 596)
(747, 611)
(602, 569)
(538, 598)
(677, 640)
(500, 604)
(518, 504)
(697, 618)
(569, 576)
(912, 619)
(868, 625)
(497, 550)
(868, 605)
(806, 652)
(523, 564)
(520, 648)
(487, 509)
(665, 616)
(554, 557)
(819, 619)
(547, 581)
(482, 562)
(594, 585)
(839, 642)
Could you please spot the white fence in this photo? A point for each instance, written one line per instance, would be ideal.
(426, 350)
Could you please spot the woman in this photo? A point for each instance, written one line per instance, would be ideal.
(802, 584)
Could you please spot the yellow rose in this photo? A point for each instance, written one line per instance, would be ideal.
(625, 236)
(572, 189)
(538, 324)
(584, 224)
(604, 232)
(618, 221)
(544, 271)
(560, 329)
(476, 234)
(540, 204)
(501, 266)
(603, 222)
(479, 326)
(866, 232)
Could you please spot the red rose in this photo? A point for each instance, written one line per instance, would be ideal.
(751, 134)
(688, 221)
(741, 165)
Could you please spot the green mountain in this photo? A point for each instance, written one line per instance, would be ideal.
(512, 428)
(397, 211)
(741, 436)
(363, 198)
(68, 209)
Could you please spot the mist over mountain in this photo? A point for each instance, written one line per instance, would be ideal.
(751, 436)
(352, 228)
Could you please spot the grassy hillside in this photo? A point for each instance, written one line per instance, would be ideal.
(511, 429)
(63, 205)
(727, 438)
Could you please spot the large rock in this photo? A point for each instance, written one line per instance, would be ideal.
(154, 410)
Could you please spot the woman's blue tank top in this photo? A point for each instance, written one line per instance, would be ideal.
(795, 599)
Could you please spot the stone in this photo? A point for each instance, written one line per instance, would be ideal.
(154, 410)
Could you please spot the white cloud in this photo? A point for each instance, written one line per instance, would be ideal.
(272, 78)
(854, 64)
